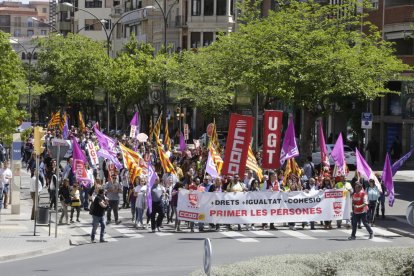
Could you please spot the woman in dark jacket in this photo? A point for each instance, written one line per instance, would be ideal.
(65, 200)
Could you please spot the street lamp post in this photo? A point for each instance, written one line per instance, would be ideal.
(28, 54)
(108, 39)
(165, 15)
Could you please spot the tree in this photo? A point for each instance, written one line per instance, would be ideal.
(12, 84)
(129, 76)
(73, 68)
(309, 55)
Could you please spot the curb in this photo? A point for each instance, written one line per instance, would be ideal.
(60, 246)
(401, 232)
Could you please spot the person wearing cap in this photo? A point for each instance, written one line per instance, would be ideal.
(359, 208)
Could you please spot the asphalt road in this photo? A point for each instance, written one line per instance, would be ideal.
(170, 253)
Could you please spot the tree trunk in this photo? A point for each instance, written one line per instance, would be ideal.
(306, 133)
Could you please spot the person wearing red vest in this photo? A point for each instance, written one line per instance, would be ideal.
(359, 208)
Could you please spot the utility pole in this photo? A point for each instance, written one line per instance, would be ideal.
(39, 141)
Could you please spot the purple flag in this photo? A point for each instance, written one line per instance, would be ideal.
(337, 153)
(134, 120)
(183, 146)
(65, 132)
(105, 142)
(152, 176)
(135, 124)
(110, 156)
(78, 162)
(289, 147)
(387, 180)
(365, 170)
(398, 164)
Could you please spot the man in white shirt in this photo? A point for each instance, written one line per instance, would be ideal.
(33, 190)
(5, 176)
(248, 179)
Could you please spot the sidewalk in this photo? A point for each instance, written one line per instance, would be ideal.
(17, 239)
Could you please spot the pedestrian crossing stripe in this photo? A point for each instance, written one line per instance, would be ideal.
(79, 233)
(238, 236)
(297, 234)
(366, 235)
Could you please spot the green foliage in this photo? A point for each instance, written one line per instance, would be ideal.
(374, 261)
(24, 135)
(131, 73)
(12, 84)
(73, 67)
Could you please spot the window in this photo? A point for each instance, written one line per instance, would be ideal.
(221, 7)
(44, 10)
(17, 33)
(23, 55)
(30, 33)
(207, 38)
(208, 7)
(195, 39)
(393, 3)
(43, 32)
(35, 56)
(196, 7)
(92, 25)
(93, 4)
(403, 46)
(107, 24)
(29, 23)
(18, 21)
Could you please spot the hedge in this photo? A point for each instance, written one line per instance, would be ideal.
(367, 261)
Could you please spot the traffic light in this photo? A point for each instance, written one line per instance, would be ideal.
(39, 140)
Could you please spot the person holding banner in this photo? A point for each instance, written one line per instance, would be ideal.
(359, 207)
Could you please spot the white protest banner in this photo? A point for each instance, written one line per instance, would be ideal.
(263, 207)
(133, 133)
(92, 153)
(186, 132)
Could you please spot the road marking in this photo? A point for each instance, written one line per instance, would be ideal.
(239, 237)
(262, 233)
(162, 234)
(365, 235)
(319, 231)
(297, 234)
(384, 233)
(128, 232)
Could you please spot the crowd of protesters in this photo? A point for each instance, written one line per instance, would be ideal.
(110, 189)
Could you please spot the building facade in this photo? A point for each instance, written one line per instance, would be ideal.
(394, 113)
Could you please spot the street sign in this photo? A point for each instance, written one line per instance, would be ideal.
(366, 120)
(59, 142)
(17, 151)
(207, 256)
(410, 214)
(186, 132)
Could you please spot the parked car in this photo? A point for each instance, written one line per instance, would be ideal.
(349, 156)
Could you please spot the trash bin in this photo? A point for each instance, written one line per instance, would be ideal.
(43, 215)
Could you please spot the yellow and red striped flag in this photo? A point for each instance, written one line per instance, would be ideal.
(218, 161)
(157, 127)
(131, 161)
(214, 138)
(165, 161)
(167, 141)
(253, 165)
(82, 126)
(54, 120)
(63, 121)
(151, 130)
(291, 168)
